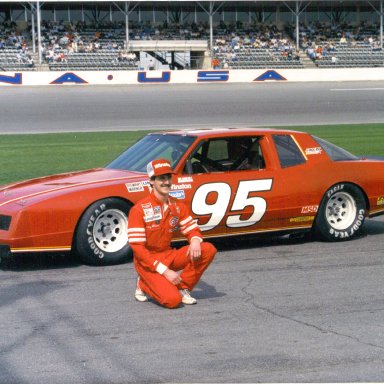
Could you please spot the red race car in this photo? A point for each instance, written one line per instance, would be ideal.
(236, 181)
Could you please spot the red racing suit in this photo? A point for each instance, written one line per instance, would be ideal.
(152, 225)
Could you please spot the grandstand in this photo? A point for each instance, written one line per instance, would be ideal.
(118, 35)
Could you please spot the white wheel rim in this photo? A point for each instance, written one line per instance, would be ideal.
(341, 211)
(110, 231)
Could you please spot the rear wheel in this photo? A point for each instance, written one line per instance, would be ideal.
(101, 236)
(341, 213)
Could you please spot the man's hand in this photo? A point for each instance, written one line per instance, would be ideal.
(172, 276)
(194, 250)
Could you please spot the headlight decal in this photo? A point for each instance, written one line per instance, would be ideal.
(5, 222)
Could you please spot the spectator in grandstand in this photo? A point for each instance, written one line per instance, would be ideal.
(131, 56)
(376, 46)
(121, 56)
(311, 53)
(215, 63)
(19, 57)
(30, 61)
(61, 57)
(334, 59)
(343, 40)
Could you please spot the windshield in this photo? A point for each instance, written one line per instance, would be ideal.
(150, 147)
(334, 152)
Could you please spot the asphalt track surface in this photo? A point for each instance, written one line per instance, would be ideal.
(101, 108)
(269, 310)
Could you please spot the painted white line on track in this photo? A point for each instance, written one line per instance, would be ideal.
(356, 89)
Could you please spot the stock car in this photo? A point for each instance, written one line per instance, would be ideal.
(236, 182)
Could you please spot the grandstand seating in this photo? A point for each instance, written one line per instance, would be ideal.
(10, 60)
(98, 61)
(349, 57)
(257, 47)
(258, 58)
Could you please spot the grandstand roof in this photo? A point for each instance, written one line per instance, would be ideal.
(335, 3)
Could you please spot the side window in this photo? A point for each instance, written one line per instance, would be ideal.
(288, 151)
(226, 154)
(218, 150)
(209, 156)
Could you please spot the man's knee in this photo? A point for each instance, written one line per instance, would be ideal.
(171, 300)
(208, 250)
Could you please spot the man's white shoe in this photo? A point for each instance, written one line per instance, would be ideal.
(186, 297)
(139, 293)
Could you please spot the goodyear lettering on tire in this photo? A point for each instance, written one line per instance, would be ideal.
(91, 241)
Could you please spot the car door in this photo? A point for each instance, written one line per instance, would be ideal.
(228, 183)
(237, 185)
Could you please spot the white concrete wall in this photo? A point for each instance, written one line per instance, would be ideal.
(56, 78)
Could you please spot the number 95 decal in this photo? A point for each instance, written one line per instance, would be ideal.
(242, 200)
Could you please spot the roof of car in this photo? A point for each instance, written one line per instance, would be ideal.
(224, 131)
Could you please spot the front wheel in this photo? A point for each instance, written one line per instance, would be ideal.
(102, 234)
(341, 213)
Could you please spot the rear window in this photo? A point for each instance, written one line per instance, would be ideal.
(334, 152)
(288, 151)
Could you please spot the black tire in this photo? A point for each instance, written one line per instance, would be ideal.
(101, 236)
(341, 213)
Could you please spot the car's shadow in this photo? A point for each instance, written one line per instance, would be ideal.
(42, 261)
(371, 227)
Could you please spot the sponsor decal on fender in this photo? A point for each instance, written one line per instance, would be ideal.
(181, 186)
(186, 179)
(177, 194)
(313, 151)
(301, 219)
(380, 200)
(310, 209)
(135, 187)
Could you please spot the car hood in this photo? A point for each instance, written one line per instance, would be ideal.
(44, 185)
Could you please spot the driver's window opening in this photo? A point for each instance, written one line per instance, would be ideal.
(227, 154)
